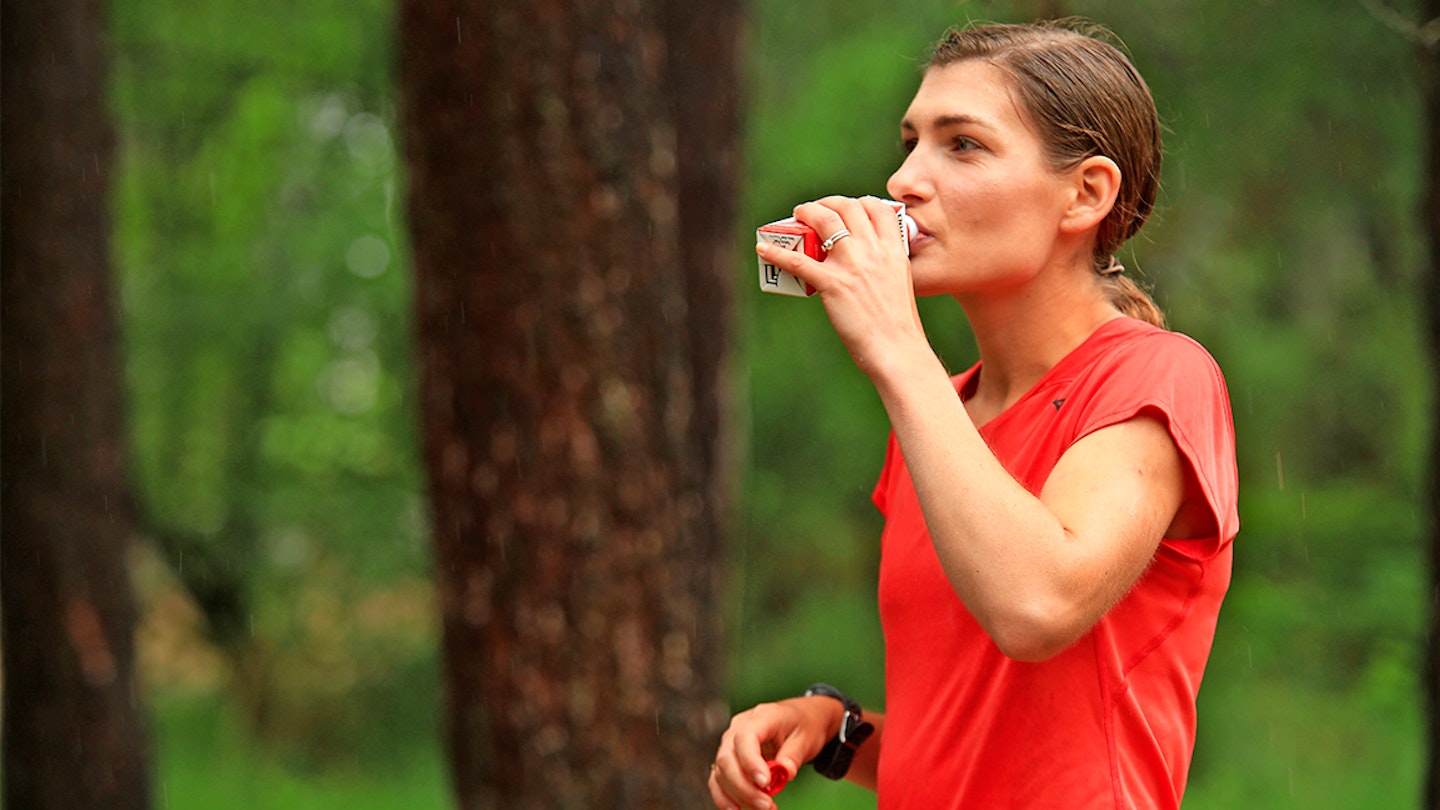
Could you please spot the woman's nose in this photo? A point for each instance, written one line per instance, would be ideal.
(907, 184)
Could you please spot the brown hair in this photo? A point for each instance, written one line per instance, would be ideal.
(1085, 98)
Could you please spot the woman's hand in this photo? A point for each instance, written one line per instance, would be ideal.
(790, 732)
(864, 282)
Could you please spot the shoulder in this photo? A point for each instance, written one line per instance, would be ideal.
(1150, 358)
(1148, 371)
(1127, 337)
(1144, 368)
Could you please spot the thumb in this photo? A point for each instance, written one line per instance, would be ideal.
(795, 752)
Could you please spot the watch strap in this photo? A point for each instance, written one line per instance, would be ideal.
(834, 759)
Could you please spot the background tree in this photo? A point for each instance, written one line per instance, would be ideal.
(573, 176)
(74, 732)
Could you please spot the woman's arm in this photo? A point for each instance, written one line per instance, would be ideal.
(1036, 572)
(791, 732)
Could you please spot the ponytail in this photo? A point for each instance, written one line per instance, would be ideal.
(1127, 296)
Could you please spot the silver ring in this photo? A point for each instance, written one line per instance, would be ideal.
(834, 237)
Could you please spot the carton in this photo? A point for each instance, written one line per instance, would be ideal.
(792, 235)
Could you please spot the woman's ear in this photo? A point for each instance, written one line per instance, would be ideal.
(1096, 185)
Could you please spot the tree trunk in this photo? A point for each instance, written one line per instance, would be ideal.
(572, 197)
(73, 729)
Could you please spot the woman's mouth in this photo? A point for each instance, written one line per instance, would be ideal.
(920, 238)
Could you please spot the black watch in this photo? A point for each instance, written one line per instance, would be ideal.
(833, 761)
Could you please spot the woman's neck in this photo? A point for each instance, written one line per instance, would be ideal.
(1022, 335)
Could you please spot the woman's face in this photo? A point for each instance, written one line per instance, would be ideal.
(976, 181)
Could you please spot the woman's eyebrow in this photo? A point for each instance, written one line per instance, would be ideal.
(948, 120)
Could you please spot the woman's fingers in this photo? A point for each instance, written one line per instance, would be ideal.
(831, 215)
(736, 780)
(884, 218)
(784, 732)
(845, 226)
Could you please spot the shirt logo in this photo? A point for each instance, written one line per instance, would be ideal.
(1057, 403)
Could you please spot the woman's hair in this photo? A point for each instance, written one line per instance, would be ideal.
(1085, 98)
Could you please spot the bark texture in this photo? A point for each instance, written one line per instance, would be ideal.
(572, 173)
(73, 730)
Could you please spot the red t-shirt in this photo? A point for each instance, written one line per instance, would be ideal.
(1109, 722)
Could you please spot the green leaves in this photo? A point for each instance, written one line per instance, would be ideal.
(261, 261)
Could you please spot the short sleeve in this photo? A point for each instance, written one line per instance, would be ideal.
(1169, 373)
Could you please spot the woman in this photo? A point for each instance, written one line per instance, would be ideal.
(1059, 518)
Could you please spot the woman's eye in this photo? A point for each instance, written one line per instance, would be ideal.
(908, 145)
(965, 144)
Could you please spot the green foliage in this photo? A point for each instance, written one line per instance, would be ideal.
(266, 310)
(209, 761)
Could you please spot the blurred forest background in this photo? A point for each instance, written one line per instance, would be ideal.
(262, 270)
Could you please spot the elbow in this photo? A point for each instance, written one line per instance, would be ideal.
(1031, 651)
(1037, 633)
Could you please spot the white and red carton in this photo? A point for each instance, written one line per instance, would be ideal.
(790, 234)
